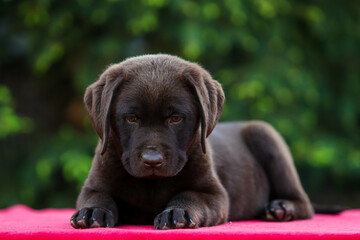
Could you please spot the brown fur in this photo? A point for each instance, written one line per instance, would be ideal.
(151, 167)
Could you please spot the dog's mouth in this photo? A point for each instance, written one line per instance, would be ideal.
(155, 174)
(166, 170)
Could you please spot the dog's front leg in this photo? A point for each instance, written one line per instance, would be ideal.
(194, 209)
(95, 209)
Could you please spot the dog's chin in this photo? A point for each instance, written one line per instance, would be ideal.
(151, 174)
(154, 177)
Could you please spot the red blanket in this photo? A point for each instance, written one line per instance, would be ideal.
(21, 222)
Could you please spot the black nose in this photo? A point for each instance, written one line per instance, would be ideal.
(152, 159)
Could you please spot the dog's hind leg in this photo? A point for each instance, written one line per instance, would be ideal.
(288, 198)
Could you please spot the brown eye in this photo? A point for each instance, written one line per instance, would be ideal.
(132, 119)
(175, 119)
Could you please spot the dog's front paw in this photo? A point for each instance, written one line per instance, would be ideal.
(172, 218)
(279, 210)
(92, 218)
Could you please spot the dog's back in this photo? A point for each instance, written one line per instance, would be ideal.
(240, 173)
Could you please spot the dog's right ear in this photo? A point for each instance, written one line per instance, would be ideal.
(98, 101)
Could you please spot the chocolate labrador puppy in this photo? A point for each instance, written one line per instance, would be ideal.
(156, 161)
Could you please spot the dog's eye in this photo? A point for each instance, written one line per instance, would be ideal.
(132, 119)
(175, 119)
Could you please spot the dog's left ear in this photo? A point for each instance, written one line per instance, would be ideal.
(98, 101)
(210, 97)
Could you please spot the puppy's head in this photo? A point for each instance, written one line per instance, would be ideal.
(152, 107)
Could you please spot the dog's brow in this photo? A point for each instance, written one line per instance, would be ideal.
(179, 108)
(127, 109)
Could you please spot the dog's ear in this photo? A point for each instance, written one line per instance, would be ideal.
(210, 97)
(98, 101)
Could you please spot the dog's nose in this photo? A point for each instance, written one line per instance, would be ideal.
(152, 159)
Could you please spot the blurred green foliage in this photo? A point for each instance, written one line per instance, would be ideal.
(10, 123)
(295, 64)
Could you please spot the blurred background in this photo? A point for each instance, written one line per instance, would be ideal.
(295, 64)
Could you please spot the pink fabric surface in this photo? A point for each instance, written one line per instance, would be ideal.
(21, 222)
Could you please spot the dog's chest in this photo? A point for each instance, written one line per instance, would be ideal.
(145, 195)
